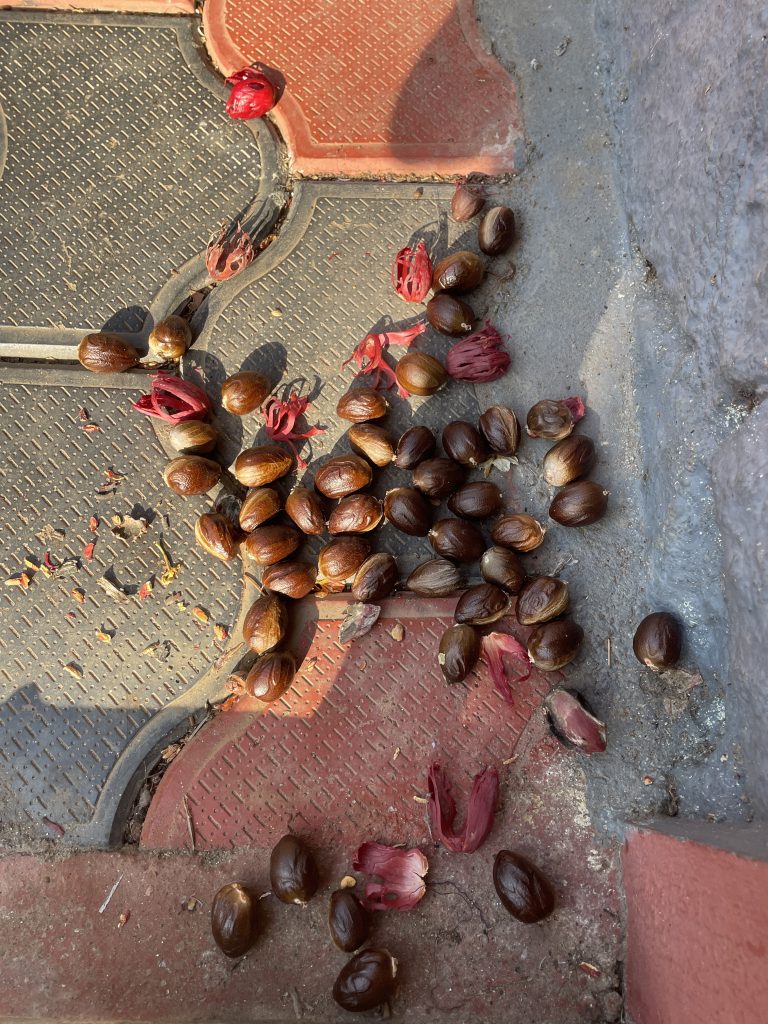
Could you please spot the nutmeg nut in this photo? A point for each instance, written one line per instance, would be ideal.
(502, 567)
(439, 477)
(458, 652)
(658, 641)
(579, 504)
(408, 511)
(481, 605)
(260, 504)
(106, 353)
(269, 544)
(193, 437)
(217, 536)
(357, 513)
(436, 578)
(415, 445)
(420, 374)
(372, 441)
(476, 500)
(244, 392)
(170, 338)
(463, 443)
(191, 474)
(362, 404)
(457, 539)
(291, 579)
(553, 645)
(376, 578)
(340, 558)
(304, 508)
(271, 676)
(519, 531)
(266, 624)
(500, 428)
(542, 599)
(568, 460)
(342, 475)
(264, 464)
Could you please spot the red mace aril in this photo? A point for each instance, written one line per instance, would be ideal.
(252, 95)
(480, 810)
(497, 647)
(572, 721)
(174, 400)
(412, 273)
(401, 873)
(478, 357)
(369, 355)
(229, 252)
(281, 416)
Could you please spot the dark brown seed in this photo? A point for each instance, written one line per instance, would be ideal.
(376, 578)
(292, 579)
(342, 475)
(367, 981)
(482, 604)
(457, 539)
(416, 444)
(106, 353)
(464, 444)
(658, 641)
(293, 873)
(420, 373)
(260, 505)
(171, 338)
(579, 504)
(408, 511)
(542, 599)
(555, 644)
(435, 578)
(269, 544)
(193, 437)
(362, 404)
(271, 676)
(570, 458)
(523, 890)
(348, 920)
(304, 508)
(439, 477)
(497, 230)
(460, 272)
(191, 474)
(217, 536)
(467, 201)
(476, 500)
(340, 559)
(244, 392)
(550, 419)
(500, 429)
(357, 513)
(233, 919)
(255, 467)
(373, 442)
(450, 315)
(502, 567)
(266, 624)
(458, 653)
(519, 531)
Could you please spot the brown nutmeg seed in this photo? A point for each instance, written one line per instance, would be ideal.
(266, 624)
(271, 676)
(542, 599)
(171, 338)
(357, 513)
(193, 437)
(420, 373)
(304, 508)
(191, 474)
(416, 444)
(373, 442)
(519, 531)
(342, 475)
(217, 536)
(244, 392)
(269, 544)
(362, 404)
(255, 467)
(106, 353)
(260, 504)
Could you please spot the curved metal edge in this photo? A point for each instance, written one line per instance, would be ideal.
(3, 141)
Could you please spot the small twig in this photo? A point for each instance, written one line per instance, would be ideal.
(608, 642)
(110, 894)
(190, 822)
(297, 1007)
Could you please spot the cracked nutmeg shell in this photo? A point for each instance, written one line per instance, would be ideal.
(522, 888)
(372, 441)
(500, 428)
(420, 373)
(497, 231)
(367, 981)
(552, 645)
(477, 500)
(458, 652)
(518, 531)
(481, 605)
(340, 558)
(171, 338)
(266, 624)
(193, 437)
(106, 353)
(438, 477)
(658, 641)
(542, 599)
(304, 508)
(342, 475)
(244, 392)
(449, 315)
(348, 920)
(269, 544)
(191, 474)
(376, 578)
(579, 504)
(293, 873)
(233, 919)
(357, 513)
(463, 443)
(217, 536)
(436, 578)
(416, 444)
(271, 676)
(255, 467)
(291, 579)
(568, 460)
(502, 567)
(362, 404)
(460, 272)
(408, 511)
(260, 504)
(457, 539)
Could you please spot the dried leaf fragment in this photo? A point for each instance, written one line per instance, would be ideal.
(21, 581)
(77, 595)
(49, 533)
(124, 919)
(200, 614)
(101, 634)
(74, 669)
(82, 415)
(160, 649)
(112, 590)
(145, 590)
(91, 428)
(170, 571)
(68, 567)
(220, 631)
(168, 753)
(127, 528)
(88, 551)
(93, 523)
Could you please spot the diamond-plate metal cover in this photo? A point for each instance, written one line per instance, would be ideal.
(120, 165)
(61, 734)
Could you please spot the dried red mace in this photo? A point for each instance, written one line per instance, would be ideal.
(498, 646)
(369, 354)
(400, 873)
(281, 419)
(412, 273)
(481, 809)
(478, 357)
(229, 252)
(252, 95)
(174, 400)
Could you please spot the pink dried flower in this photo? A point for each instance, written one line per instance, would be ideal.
(174, 400)
(369, 354)
(412, 273)
(495, 647)
(229, 252)
(401, 873)
(480, 810)
(252, 95)
(281, 419)
(478, 357)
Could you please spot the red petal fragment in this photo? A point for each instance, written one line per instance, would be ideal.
(369, 354)
(91, 428)
(54, 826)
(495, 646)
(412, 273)
(252, 95)
(88, 551)
(93, 524)
(401, 875)
(49, 563)
(577, 407)
(82, 415)
(229, 252)
(480, 810)
(478, 357)
(281, 416)
(573, 724)
(173, 400)
(145, 590)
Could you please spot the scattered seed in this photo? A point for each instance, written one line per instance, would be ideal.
(200, 614)
(590, 969)
(347, 882)
(74, 669)
(124, 918)
(277, 312)
(647, 780)
(397, 632)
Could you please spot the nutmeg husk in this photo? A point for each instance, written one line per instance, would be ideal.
(542, 599)
(191, 474)
(244, 392)
(106, 353)
(439, 477)
(260, 504)
(376, 578)
(304, 508)
(266, 624)
(420, 374)
(362, 404)
(170, 338)
(340, 558)
(291, 579)
(500, 428)
(255, 467)
(269, 544)
(373, 442)
(519, 531)
(271, 676)
(415, 445)
(193, 437)
(502, 567)
(357, 513)
(342, 475)
(217, 536)
(408, 511)
(476, 500)
(481, 605)
(457, 539)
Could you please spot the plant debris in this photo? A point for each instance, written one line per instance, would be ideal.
(280, 420)
(49, 533)
(54, 826)
(93, 523)
(21, 580)
(480, 810)
(124, 918)
(220, 632)
(77, 594)
(113, 590)
(88, 551)
(401, 874)
(358, 620)
(74, 669)
(145, 590)
(127, 528)
(397, 632)
(160, 649)
(200, 614)
(369, 355)
(170, 571)
(104, 636)
(90, 428)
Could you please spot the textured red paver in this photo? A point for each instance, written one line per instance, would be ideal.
(117, 6)
(385, 88)
(343, 754)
